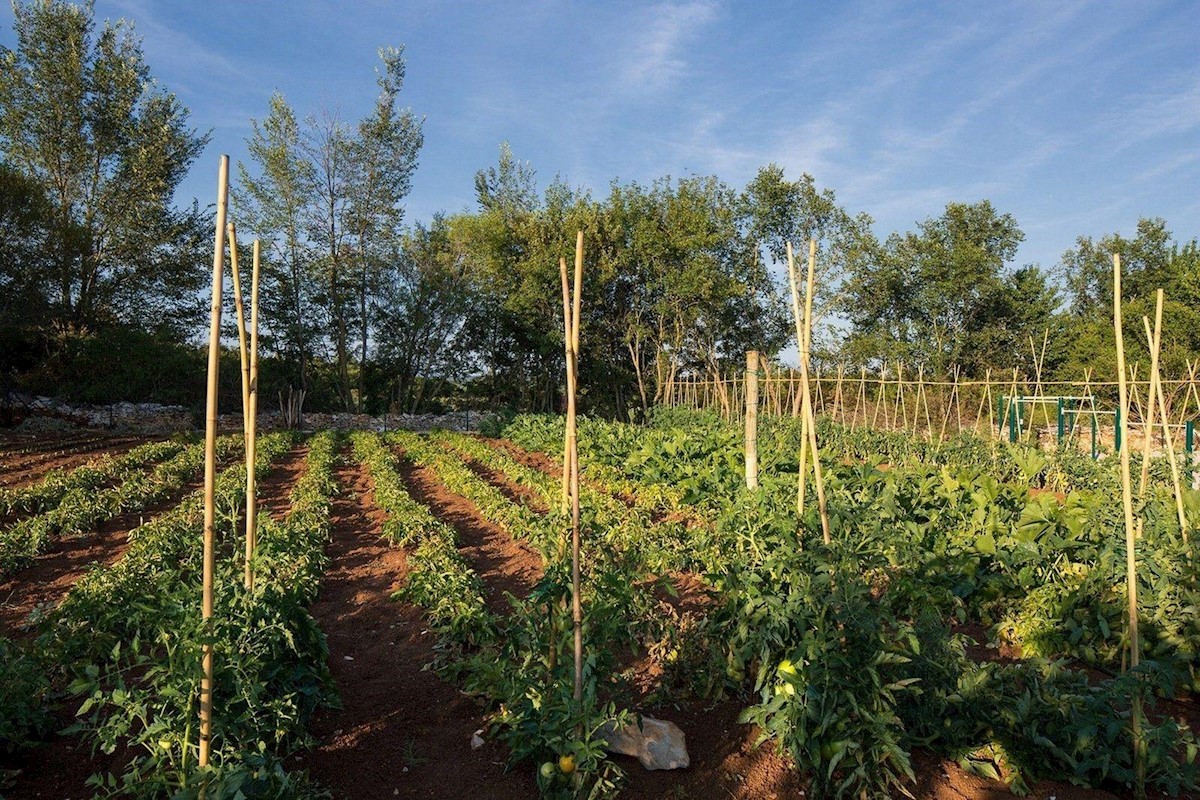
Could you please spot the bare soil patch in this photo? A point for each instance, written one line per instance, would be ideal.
(54, 572)
(22, 471)
(401, 731)
(274, 491)
(502, 563)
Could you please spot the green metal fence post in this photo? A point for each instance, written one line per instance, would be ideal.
(1117, 429)
(1014, 422)
(1061, 423)
(1189, 442)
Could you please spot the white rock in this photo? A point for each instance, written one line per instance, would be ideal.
(658, 744)
(476, 740)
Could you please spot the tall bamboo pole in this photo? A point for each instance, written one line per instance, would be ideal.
(568, 429)
(805, 417)
(1148, 428)
(1127, 507)
(252, 422)
(576, 600)
(751, 419)
(240, 310)
(1155, 339)
(806, 399)
(210, 458)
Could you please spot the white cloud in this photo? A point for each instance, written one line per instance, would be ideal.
(654, 58)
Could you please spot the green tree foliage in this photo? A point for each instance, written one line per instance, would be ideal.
(674, 284)
(421, 310)
(1150, 260)
(327, 198)
(81, 116)
(945, 295)
(273, 204)
(781, 211)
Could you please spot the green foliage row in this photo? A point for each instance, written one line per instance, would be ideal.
(505, 659)
(46, 494)
(925, 535)
(81, 507)
(130, 638)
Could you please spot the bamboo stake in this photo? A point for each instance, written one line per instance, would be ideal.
(752, 419)
(990, 404)
(861, 398)
(568, 350)
(240, 311)
(1193, 368)
(1127, 507)
(1155, 340)
(837, 394)
(804, 355)
(235, 268)
(1148, 436)
(252, 423)
(576, 600)
(210, 458)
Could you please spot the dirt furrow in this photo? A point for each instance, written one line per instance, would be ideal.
(401, 731)
(53, 573)
(274, 491)
(31, 471)
(504, 564)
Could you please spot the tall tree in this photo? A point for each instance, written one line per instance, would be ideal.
(778, 211)
(1150, 260)
(273, 203)
(328, 195)
(422, 309)
(81, 114)
(383, 158)
(945, 295)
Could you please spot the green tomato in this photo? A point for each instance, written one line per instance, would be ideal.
(548, 770)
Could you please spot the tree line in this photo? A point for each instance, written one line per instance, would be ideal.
(102, 273)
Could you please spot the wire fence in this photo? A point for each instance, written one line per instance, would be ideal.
(1013, 406)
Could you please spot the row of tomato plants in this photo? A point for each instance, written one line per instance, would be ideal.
(929, 537)
(1030, 543)
(82, 507)
(57, 448)
(47, 493)
(518, 661)
(127, 641)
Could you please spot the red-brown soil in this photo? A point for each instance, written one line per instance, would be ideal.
(60, 767)
(26, 470)
(401, 731)
(54, 572)
(504, 564)
(530, 458)
(516, 492)
(274, 491)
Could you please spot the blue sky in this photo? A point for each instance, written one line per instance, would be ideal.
(1075, 117)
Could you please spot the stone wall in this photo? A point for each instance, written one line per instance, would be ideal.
(46, 413)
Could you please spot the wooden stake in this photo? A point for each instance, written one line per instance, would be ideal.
(252, 423)
(1148, 428)
(1127, 507)
(240, 311)
(576, 601)
(568, 350)
(752, 419)
(210, 458)
(806, 399)
(1155, 340)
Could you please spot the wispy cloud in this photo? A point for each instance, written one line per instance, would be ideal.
(654, 58)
